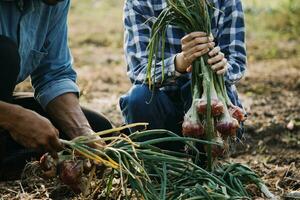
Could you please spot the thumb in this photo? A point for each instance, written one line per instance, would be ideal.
(189, 69)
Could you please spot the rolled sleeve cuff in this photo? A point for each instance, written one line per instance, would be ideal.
(168, 71)
(229, 77)
(170, 66)
(54, 90)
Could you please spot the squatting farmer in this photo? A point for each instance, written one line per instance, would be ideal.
(172, 98)
(33, 42)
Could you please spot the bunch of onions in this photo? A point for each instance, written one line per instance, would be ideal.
(129, 159)
(137, 169)
(230, 121)
(73, 165)
(211, 108)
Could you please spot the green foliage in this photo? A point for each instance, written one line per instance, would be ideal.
(286, 19)
(272, 22)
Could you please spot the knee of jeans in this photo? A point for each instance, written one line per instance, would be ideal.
(9, 55)
(122, 101)
(136, 98)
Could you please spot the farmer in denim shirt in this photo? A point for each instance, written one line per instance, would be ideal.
(171, 99)
(34, 42)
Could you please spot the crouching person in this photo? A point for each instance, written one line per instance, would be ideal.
(171, 100)
(33, 42)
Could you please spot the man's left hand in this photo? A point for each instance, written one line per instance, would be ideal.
(217, 61)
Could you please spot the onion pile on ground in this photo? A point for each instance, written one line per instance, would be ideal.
(137, 169)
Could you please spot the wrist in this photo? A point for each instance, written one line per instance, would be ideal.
(180, 64)
(73, 132)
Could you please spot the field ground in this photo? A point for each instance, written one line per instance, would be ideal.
(270, 89)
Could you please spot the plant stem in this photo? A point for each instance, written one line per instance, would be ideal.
(209, 119)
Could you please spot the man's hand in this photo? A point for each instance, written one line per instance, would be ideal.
(217, 61)
(197, 44)
(31, 129)
(193, 46)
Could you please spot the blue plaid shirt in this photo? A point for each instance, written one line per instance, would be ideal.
(227, 28)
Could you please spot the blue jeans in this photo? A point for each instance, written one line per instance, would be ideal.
(161, 109)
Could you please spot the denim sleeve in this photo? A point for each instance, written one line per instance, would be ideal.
(232, 40)
(55, 75)
(137, 24)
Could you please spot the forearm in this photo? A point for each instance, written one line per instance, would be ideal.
(233, 43)
(7, 112)
(137, 35)
(138, 70)
(67, 115)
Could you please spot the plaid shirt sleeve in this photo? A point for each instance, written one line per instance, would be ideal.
(137, 24)
(231, 39)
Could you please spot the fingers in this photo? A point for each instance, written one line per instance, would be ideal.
(200, 47)
(193, 35)
(200, 42)
(55, 144)
(217, 61)
(220, 67)
(215, 51)
(197, 44)
(196, 55)
(217, 58)
(193, 45)
(50, 143)
(222, 71)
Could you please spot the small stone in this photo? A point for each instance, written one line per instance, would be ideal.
(292, 195)
(291, 125)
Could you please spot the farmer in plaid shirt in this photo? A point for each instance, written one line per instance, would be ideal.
(226, 48)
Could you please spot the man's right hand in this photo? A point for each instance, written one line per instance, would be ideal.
(193, 46)
(31, 130)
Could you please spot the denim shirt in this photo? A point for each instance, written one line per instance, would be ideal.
(42, 37)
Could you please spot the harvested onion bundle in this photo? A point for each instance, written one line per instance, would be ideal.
(210, 100)
(139, 170)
